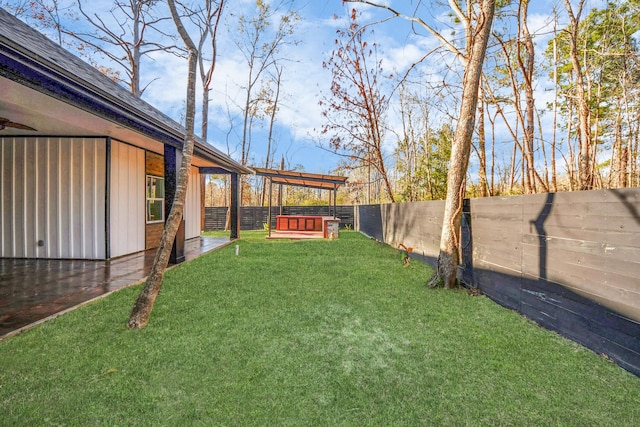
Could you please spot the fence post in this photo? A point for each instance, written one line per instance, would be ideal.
(465, 270)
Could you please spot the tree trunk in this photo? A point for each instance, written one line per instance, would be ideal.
(584, 131)
(135, 63)
(482, 152)
(448, 257)
(144, 304)
(527, 66)
(272, 120)
(204, 123)
(208, 27)
(554, 174)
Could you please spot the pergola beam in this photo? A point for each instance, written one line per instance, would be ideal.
(301, 179)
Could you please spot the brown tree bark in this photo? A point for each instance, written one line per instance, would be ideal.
(144, 304)
(208, 25)
(477, 38)
(482, 152)
(584, 126)
(477, 30)
(554, 174)
(527, 65)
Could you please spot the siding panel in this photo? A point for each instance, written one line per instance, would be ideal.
(47, 195)
(127, 199)
(192, 210)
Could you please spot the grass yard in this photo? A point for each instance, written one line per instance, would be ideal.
(317, 333)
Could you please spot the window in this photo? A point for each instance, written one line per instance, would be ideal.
(155, 199)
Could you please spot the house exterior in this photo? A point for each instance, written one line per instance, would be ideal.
(87, 170)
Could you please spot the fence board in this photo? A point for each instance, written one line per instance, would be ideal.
(570, 261)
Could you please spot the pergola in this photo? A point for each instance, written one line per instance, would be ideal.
(301, 179)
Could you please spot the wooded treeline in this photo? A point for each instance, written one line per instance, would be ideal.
(558, 105)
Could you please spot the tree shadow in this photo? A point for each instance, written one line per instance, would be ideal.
(624, 199)
(538, 223)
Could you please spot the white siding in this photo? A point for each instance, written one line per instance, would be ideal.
(127, 201)
(192, 213)
(52, 191)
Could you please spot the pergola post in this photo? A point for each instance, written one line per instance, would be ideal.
(203, 197)
(302, 179)
(234, 215)
(269, 213)
(280, 188)
(335, 203)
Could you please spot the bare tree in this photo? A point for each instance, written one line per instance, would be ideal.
(582, 105)
(412, 147)
(477, 24)
(207, 20)
(554, 107)
(272, 110)
(476, 18)
(46, 15)
(355, 110)
(125, 36)
(261, 46)
(480, 147)
(144, 304)
(519, 65)
(526, 57)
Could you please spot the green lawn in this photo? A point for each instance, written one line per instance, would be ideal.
(314, 333)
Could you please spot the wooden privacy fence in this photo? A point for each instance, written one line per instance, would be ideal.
(569, 261)
(254, 217)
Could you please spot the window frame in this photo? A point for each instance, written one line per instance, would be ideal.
(149, 200)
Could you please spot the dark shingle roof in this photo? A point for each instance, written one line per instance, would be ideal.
(28, 56)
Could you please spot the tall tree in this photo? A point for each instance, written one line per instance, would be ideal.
(423, 151)
(144, 304)
(355, 109)
(261, 42)
(411, 146)
(582, 106)
(515, 70)
(607, 58)
(273, 101)
(45, 15)
(526, 62)
(477, 24)
(480, 147)
(476, 18)
(131, 31)
(207, 20)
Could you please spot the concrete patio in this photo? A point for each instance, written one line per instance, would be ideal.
(32, 290)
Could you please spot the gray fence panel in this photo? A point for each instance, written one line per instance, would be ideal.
(569, 261)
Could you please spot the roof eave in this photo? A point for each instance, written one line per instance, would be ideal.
(26, 67)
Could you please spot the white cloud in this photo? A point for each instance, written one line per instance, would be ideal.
(401, 45)
(170, 85)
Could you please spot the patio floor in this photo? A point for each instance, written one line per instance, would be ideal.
(296, 235)
(34, 289)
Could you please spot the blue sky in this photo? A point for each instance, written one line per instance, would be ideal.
(304, 79)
